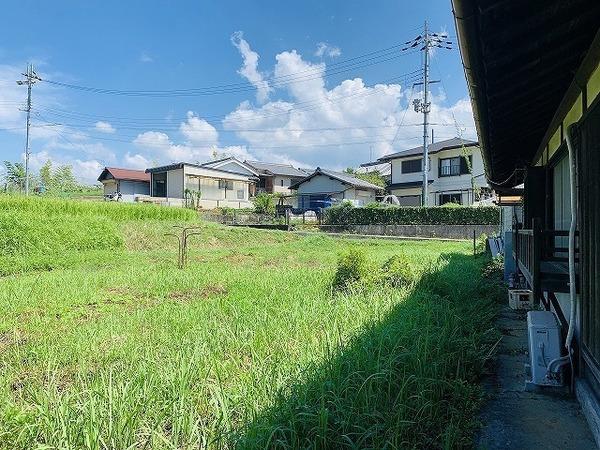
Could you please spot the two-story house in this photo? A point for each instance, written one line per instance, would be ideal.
(276, 178)
(456, 173)
(272, 178)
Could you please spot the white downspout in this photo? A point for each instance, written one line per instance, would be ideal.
(572, 275)
(572, 230)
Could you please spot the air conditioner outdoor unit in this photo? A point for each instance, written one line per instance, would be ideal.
(544, 347)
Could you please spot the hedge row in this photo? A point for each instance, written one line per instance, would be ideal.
(348, 215)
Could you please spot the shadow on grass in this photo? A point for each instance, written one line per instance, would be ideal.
(408, 381)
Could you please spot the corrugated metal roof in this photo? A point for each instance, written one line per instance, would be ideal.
(433, 148)
(265, 168)
(125, 174)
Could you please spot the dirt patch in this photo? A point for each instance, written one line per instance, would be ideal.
(213, 290)
(208, 291)
(240, 258)
(10, 339)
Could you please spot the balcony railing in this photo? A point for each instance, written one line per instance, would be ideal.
(543, 259)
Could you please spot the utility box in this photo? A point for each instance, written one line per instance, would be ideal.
(544, 346)
(520, 299)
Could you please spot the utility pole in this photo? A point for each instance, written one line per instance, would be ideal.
(427, 40)
(426, 108)
(30, 79)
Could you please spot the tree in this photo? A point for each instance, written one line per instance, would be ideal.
(46, 175)
(264, 203)
(15, 175)
(63, 179)
(373, 177)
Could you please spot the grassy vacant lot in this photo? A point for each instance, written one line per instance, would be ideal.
(104, 343)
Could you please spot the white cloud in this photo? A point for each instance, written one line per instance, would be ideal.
(201, 144)
(250, 68)
(350, 118)
(325, 49)
(136, 161)
(305, 122)
(198, 131)
(146, 58)
(104, 127)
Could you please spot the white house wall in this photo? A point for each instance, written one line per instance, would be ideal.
(439, 184)
(278, 187)
(175, 183)
(234, 167)
(321, 184)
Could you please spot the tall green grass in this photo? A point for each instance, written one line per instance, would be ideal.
(45, 233)
(248, 347)
(110, 210)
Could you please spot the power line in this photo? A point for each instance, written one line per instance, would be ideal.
(297, 106)
(281, 81)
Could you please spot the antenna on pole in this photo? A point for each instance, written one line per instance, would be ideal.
(30, 79)
(427, 41)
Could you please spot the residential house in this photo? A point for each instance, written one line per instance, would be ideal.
(232, 164)
(218, 187)
(276, 178)
(534, 79)
(129, 183)
(323, 188)
(455, 173)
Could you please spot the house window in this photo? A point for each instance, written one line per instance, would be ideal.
(450, 167)
(226, 184)
(412, 166)
(240, 194)
(451, 198)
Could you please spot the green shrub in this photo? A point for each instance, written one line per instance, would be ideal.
(264, 204)
(494, 269)
(346, 214)
(398, 271)
(352, 267)
(481, 243)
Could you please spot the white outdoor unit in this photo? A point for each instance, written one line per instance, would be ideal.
(544, 347)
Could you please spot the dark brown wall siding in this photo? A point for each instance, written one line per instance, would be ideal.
(586, 140)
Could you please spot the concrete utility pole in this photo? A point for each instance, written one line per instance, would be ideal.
(427, 40)
(30, 79)
(426, 109)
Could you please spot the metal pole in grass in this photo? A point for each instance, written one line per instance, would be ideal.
(473, 241)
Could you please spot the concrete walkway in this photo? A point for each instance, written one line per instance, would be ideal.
(515, 419)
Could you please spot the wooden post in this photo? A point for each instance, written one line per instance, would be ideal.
(474, 246)
(303, 217)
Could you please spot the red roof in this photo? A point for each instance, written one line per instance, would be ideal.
(125, 174)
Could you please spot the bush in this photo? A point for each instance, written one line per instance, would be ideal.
(352, 267)
(494, 269)
(346, 214)
(264, 204)
(398, 271)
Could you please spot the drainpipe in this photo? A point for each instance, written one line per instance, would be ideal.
(572, 275)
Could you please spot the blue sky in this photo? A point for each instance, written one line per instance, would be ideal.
(286, 82)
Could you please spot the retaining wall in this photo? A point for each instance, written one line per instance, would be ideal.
(431, 231)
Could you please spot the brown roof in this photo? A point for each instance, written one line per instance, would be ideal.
(125, 174)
